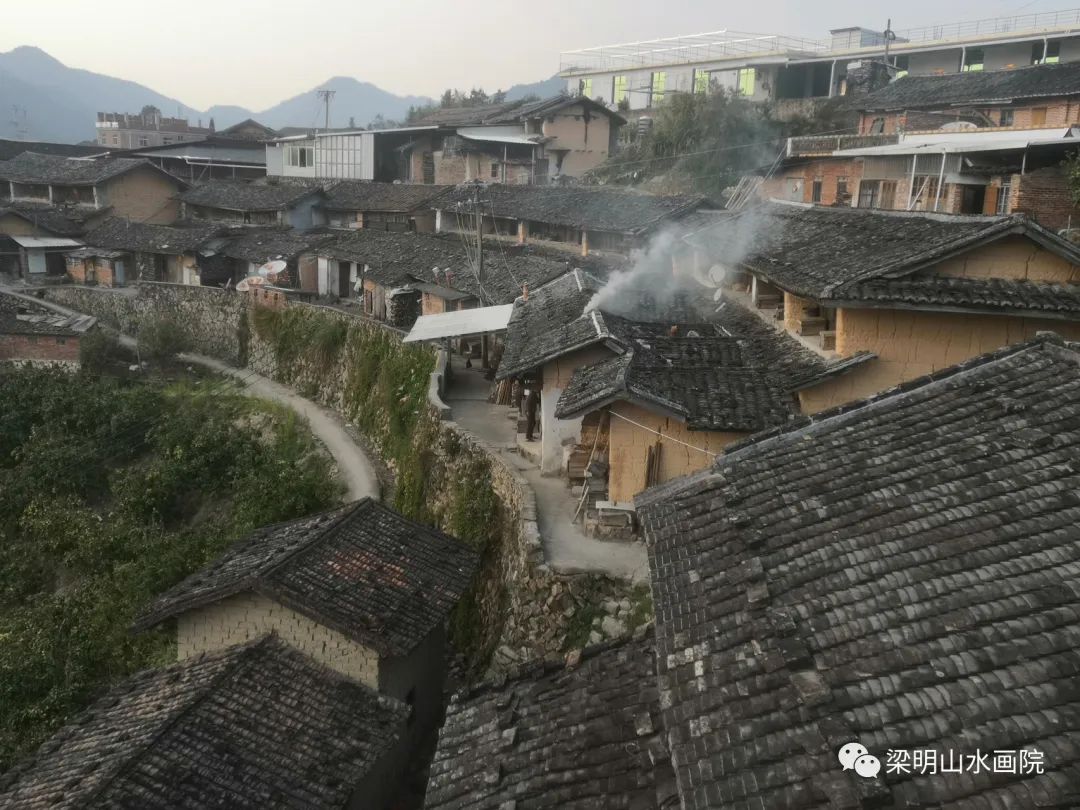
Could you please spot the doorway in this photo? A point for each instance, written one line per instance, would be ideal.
(973, 199)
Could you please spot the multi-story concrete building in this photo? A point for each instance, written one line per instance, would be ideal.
(790, 70)
(146, 128)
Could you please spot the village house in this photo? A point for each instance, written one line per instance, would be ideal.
(359, 589)
(120, 251)
(10, 148)
(241, 254)
(382, 206)
(970, 143)
(532, 142)
(919, 291)
(42, 338)
(899, 573)
(436, 271)
(585, 730)
(236, 153)
(126, 187)
(253, 726)
(584, 218)
(296, 205)
(634, 399)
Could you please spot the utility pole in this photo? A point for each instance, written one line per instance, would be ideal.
(326, 95)
(889, 35)
(478, 215)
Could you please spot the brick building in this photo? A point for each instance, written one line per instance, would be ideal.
(359, 589)
(146, 128)
(42, 338)
(919, 291)
(126, 187)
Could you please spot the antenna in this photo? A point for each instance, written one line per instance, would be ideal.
(326, 95)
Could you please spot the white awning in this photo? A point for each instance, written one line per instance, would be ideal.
(462, 322)
(497, 135)
(965, 141)
(45, 242)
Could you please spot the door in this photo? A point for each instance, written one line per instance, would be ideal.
(973, 200)
(343, 279)
(795, 189)
(118, 273)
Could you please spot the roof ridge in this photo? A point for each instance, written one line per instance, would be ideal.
(173, 719)
(316, 537)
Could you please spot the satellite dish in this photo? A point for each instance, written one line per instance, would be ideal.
(242, 286)
(271, 269)
(255, 281)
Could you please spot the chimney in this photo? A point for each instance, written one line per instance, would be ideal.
(674, 331)
(524, 292)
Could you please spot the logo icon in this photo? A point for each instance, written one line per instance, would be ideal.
(854, 756)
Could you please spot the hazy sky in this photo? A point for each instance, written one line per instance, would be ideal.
(256, 53)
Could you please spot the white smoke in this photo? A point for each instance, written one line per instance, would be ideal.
(651, 270)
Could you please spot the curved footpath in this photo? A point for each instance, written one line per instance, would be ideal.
(356, 469)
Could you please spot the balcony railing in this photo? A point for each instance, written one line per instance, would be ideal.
(992, 26)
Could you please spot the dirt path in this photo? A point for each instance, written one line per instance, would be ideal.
(356, 469)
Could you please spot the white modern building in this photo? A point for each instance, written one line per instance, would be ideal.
(771, 67)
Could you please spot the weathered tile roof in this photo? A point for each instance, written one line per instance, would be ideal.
(264, 244)
(10, 149)
(841, 254)
(558, 737)
(394, 257)
(238, 196)
(899, 572)
(978, 87)
(361, 569)
(254, 726)
(552, 322)
(45, 324)
(58, 220)
(362, 195)
(595, 208)
(32, 168)
(509, 112)
(125, 234)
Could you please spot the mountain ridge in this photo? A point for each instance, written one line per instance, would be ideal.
(44, 99)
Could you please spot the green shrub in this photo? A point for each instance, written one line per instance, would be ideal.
(161, 340)
(98, 349)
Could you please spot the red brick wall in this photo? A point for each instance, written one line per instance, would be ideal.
(828, 171)
(1044, 195)
(47, 348)
(1048, 113)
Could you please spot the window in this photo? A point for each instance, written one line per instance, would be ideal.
(618, 89)
(868, 194)
(1005, 118)
(144, 141)
(815, 190)
(841, 191)
(585, 88)
(973, 60)
(701, 80)
(115, 139)
(746, 79)
(494, 169)
(901, 64)
(1004, 192)
(301, 156)
(1047, 53)
(659, 82)
(877, 126)
(1038, 116)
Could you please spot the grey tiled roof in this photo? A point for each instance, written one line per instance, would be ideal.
(254, 726)
(237, 196)
(843, 254)
(30, 167)
(10, 149)
(552, 737)
(125, 234)
(508, 112)
(393, 257)
(58, 220)
(899, 572)
(552, 322)
(264, 244)
(598, 208)
(361, 195)
(362, 570)
(978, 87)
(45, 324)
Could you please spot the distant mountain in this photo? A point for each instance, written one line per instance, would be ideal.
(361, 101)
(544, 89)
(61, 103)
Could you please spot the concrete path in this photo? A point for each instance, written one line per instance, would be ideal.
(356, 470)
(566, 547)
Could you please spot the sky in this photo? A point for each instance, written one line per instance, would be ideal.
(257, 52)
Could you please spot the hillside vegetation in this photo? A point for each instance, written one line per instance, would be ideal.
(110, 492)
